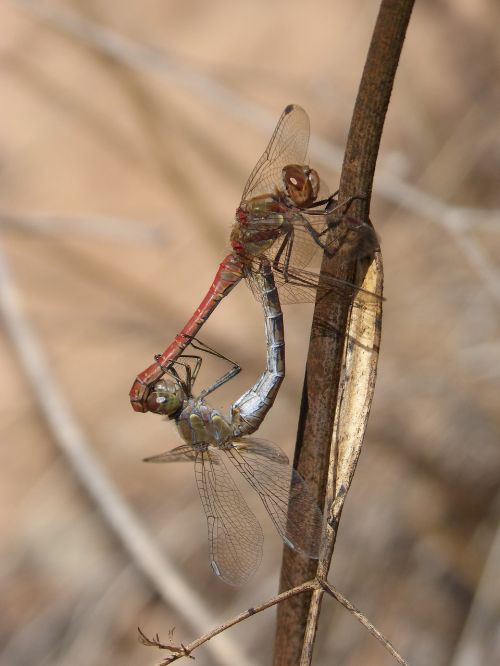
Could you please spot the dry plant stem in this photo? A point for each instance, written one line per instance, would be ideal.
(325, 370)
(180, 651)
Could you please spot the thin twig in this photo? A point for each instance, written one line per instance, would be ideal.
(181, 650)
(364, 621)
(167, 66)
(71, 440)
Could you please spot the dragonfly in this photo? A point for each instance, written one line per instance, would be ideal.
(215, 443)
(284, 215)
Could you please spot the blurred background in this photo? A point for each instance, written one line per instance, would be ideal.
(127, 133)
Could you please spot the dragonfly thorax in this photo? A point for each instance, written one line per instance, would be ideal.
(259, 222)
(201, 425)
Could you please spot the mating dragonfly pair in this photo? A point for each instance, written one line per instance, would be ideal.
(283, 219)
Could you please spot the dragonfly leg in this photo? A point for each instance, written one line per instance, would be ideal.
(287, 240)
(222, 380)
(286, 247)
(202, 346)
(325, 202)
(344, 206)
(316, 236)
(191, 373)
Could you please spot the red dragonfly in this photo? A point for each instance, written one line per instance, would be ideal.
(284, 217)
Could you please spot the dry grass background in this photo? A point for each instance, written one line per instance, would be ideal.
(142, 170)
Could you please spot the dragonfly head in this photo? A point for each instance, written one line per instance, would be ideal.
(167, 397)
(301, 184)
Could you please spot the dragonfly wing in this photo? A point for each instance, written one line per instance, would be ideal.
(301, 286)
(349, 241)
(301, 250)
(288, 499)
(234, 534)
(253, 284)
(348, 238)
(288, 145)
(298, 249)
(262, 447)
(183, 453)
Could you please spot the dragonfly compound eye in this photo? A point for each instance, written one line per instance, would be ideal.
(315, 183)
(165, 398)
(301, 184)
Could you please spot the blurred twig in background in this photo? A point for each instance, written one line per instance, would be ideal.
(393, 188)
(482, 622)
(92, 226)
(72, 442)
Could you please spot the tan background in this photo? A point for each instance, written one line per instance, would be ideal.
(141, 164)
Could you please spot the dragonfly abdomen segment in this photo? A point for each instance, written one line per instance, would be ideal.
(229, 274)
(250, 409)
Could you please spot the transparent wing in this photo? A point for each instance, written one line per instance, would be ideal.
(261, 447)
(289, 255)
(301, 286)
(234, 534)
(288, 145)
(288, 499)
(299, 243)
(347, 237)
(183, 453)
